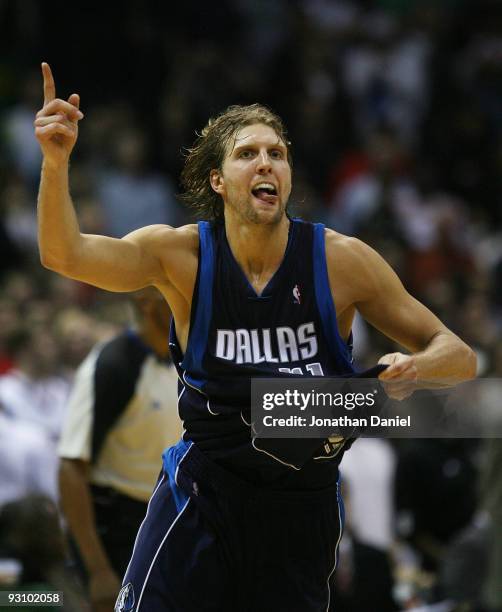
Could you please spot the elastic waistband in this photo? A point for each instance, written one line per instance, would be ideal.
(197, 466)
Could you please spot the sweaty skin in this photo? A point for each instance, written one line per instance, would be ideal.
(257, 232)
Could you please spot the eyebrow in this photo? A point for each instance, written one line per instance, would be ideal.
(278, 145)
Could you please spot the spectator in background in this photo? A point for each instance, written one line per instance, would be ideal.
(491, 490)
(28, 463)
(76, 333)
(492, 501)
(33, 390)
(440, 245)
(384, 71)
(368, 183)
(477, 318)
(363, 580)
(21, 218)
(435, 497)
(472, 567)
(22, 149)
(11, 255)
(131, 195)
(9, 321)
(122, 412)
(368, 470)
(31, 534)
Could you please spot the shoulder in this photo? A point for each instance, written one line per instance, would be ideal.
(175, 248)
(165, 236)
(347, 251)
(353, 262)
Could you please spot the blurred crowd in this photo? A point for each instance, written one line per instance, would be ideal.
(394, 110)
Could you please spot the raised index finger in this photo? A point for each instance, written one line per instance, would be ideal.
(49, 85)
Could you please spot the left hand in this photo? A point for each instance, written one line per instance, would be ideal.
(400, 378)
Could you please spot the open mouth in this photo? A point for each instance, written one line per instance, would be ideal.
(266, 192)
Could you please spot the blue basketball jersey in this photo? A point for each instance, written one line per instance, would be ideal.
(236, 334)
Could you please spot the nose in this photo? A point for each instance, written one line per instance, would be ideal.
(264, 165)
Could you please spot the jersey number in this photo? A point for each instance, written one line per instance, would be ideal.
(314, 369)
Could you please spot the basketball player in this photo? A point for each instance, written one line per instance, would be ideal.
(231, 525)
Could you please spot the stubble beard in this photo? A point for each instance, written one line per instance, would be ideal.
(249, 214)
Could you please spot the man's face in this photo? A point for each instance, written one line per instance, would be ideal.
(255, 180)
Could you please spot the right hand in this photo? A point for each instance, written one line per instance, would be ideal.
(104, 587)
(400, 378)
(56, 124)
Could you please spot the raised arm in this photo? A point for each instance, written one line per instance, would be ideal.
(437, 354)
(126, 264)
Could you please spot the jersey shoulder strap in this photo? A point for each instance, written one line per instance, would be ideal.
(324, 298)
(202, 300)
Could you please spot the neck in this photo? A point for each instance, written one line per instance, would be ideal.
(258, 248)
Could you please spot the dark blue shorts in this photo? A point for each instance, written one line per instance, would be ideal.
(211, 542)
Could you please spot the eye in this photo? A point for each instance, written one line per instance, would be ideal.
(246, 154)
(276, 154)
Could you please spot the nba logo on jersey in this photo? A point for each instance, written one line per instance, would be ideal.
(296, 295)
(126, 599)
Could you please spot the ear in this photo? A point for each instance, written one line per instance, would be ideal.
(216, 180)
